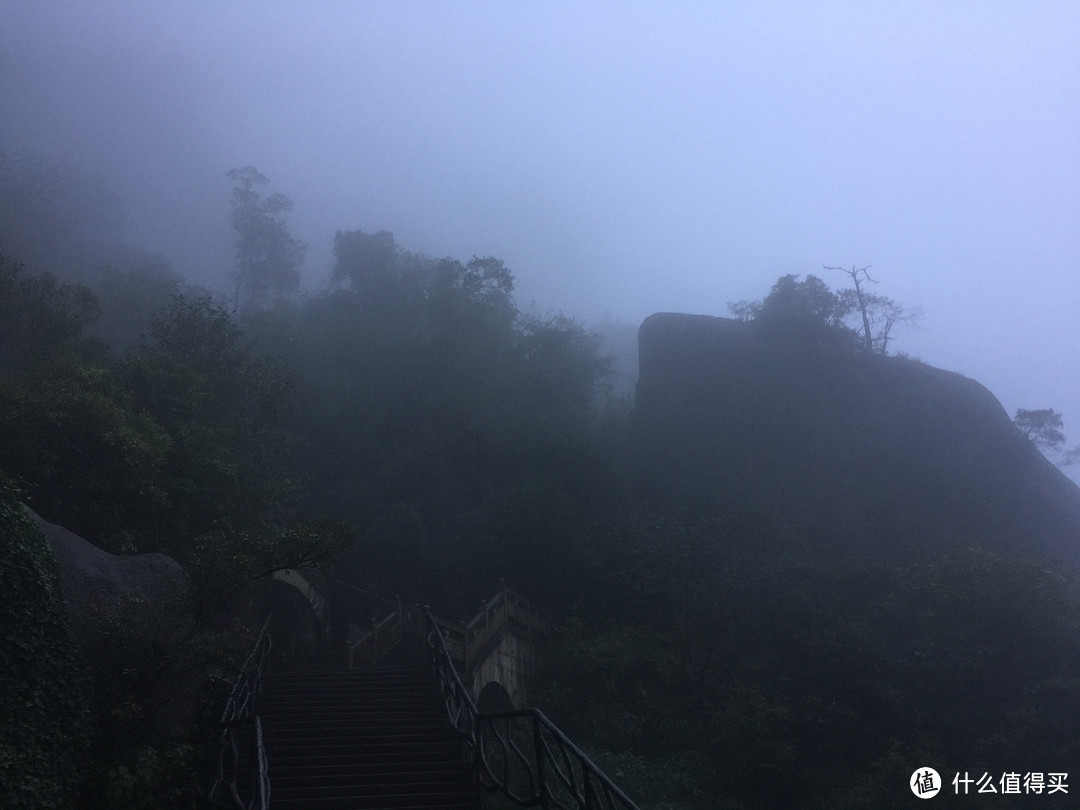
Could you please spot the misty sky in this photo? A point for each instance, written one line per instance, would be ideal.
(622, 158)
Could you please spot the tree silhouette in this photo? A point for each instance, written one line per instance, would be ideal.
(268, 258)
(878, 314)
(1043, 427)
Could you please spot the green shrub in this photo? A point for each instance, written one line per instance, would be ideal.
(43, 717)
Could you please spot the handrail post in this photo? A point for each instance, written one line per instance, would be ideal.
(400, 620)
(240, 711)
(538, 752)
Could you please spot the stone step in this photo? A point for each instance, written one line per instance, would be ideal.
(431, 801)
(375, 739)
(389, 772)
(305, 786)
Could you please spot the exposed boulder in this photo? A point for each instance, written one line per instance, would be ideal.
(102, 588)
(873, 452)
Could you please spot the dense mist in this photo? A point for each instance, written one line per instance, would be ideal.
(620, 162)
(312, 314)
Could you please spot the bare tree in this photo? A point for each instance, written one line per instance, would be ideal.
(861, 300)
(890, 313)
(878, 313)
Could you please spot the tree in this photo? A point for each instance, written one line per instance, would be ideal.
(487, 280)
(877, 313)
(130, 293)
(56, 218)
(744, 310)
(861, 302)
(1043, 427)
(268, 258)
(72, 437)
(809, 307)
(362, 257)
(223, 409)
(798, 308)
(42, 320)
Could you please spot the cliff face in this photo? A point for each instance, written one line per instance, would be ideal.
(877, 453)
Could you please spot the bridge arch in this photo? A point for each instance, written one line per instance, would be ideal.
(500, 646)
(297, 615)
(509, 660)
(492, 697)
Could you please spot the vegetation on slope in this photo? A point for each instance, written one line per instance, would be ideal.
(731, 666)
(44, 725)
(739, 659)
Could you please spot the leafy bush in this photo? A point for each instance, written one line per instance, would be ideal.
(43, 716)
(799, 677)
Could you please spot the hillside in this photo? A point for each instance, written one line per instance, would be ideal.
(879, 453)
(716, 640)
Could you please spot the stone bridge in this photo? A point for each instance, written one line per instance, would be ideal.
(496, 653)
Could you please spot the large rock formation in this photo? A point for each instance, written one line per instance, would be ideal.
(106, 589)
(876, 453)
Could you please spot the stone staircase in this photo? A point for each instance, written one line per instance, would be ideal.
(374, 738)
(398, 729)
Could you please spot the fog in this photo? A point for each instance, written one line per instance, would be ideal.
(622, 158)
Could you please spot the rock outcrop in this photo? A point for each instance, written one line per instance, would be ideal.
(101, 588)
(872, 452)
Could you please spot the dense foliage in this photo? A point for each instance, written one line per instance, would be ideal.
(412, 399)
(743, 659)
(432, 415)
(44, 728)
(176, 445)
(742, 669)
(796, 310)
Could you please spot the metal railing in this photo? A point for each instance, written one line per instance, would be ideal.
(525, 756)
(521, 754)
(465, 642)
(239, 717)
(459, 705)
(383, 635)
